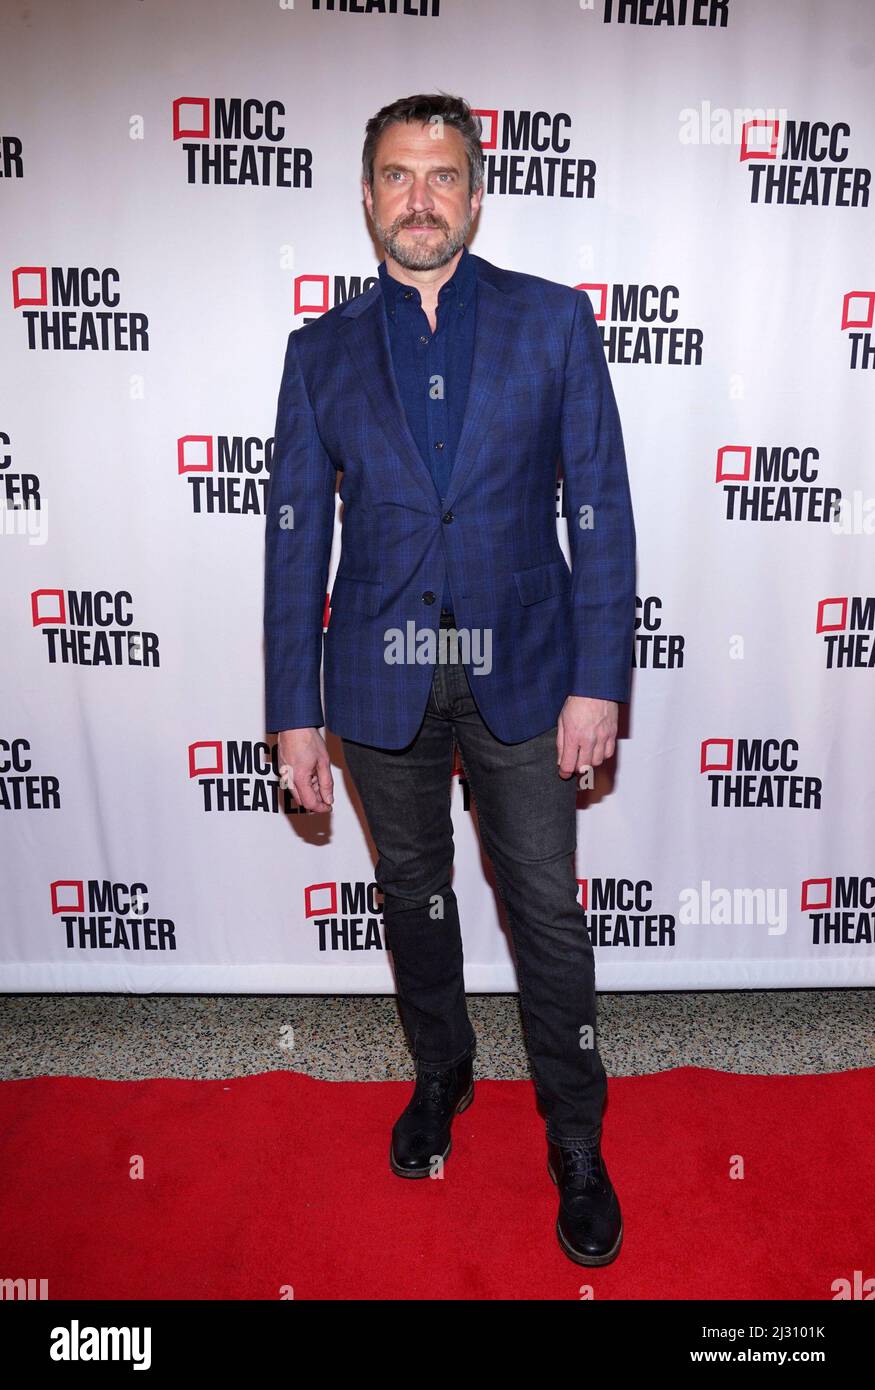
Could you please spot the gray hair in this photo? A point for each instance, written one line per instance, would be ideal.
(452, 111)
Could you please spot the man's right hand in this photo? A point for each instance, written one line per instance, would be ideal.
(304, 762)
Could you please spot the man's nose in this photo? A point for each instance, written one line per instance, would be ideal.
(420, 198)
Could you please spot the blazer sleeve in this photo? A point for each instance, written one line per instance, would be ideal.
(603, 546)
(299, 528)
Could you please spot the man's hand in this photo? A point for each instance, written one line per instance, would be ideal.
(586, 734)
(303, 760)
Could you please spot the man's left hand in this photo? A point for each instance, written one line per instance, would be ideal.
(586, 735)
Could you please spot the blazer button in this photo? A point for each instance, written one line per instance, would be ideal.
(428, 596)
(448, 516)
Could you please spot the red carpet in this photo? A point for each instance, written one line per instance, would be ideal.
(264, 1181)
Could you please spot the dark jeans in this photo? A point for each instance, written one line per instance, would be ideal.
(527, 820)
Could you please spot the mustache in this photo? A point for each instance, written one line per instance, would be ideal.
(416, 222)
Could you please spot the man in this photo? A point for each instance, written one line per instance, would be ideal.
(447, 393)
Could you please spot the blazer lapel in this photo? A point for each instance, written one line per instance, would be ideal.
(367, 341)
(498, 319)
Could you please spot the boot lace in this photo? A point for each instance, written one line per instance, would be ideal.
(581, 1168)
(435, 1086)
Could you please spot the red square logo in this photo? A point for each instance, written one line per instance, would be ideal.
(710, 752)
(759, 140)
(205, 759)
(68, 895)
(191, 118)
(816, 894)
(320, 900)
(832, 614)
(733, 457)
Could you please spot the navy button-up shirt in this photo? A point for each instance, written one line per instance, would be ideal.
(433, 369)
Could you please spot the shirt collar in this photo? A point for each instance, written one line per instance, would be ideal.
(461, 283)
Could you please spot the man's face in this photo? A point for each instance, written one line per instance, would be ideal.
(420, 206)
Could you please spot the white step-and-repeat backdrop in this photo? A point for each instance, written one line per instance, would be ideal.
(180, 189)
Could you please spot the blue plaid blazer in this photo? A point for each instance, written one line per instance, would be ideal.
(539, 395)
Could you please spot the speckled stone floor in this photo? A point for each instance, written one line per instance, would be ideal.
(359, 1037)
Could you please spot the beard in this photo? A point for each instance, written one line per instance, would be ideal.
(429, 255)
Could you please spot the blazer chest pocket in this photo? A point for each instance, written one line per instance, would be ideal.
(544, 581)
(355, 596)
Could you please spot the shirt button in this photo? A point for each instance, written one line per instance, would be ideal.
(447, 516)
(428, 596)
(438, 443)
(422, 338)
(408, 294)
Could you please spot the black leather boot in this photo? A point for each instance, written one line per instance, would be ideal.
(422, 1131)
(589, 1224)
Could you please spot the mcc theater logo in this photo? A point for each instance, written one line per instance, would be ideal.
(528, 154)
(315, 294)
(775, 482)
(674, 14)
(84, 627)
(240, 775)
(98, 915)
(858, 312)
(639, 325)
(846, 626)
(20, 496)
(840, 910)
(802, 164)
(22, 789)
(348, 916)
(227, 475)
(365, 9)
(230, 141)
(76, 309)
(620, 912)
(655, 650)
(757, 772)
